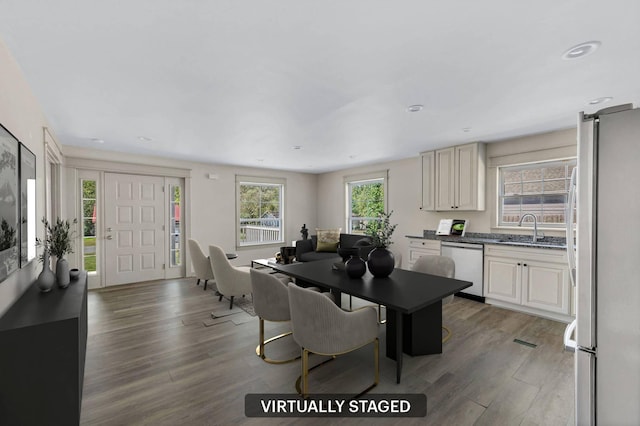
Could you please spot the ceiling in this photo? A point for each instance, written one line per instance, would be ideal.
(315, 86)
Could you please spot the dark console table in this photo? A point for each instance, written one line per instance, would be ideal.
(43, 341)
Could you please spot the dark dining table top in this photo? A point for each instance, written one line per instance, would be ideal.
(404, 291)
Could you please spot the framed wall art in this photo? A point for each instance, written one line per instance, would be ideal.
(9, 207)
(27, 205)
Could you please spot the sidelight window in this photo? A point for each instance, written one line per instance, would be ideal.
(89, 224)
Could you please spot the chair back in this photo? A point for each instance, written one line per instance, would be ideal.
(222, 269)
(398, 260)
(270, 296)
(317, 323)
(201, 264)
(443, 266)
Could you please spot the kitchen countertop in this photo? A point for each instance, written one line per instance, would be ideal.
(516, 240)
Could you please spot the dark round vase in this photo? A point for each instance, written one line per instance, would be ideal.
(355, 267)
(380, 262)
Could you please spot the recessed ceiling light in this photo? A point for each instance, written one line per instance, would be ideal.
(466, 129)
(296, 147)
(97, 140)
(415, 108)
(600, 100)
(580, 50)
(144, 139)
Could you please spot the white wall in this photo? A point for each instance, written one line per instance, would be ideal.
(404, 187)
(22, 116)
(211, 210)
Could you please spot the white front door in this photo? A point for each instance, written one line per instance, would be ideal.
(134, 228)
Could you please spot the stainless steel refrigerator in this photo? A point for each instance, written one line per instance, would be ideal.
(607, 268)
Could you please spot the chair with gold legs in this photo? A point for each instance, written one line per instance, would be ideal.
(271, 303)
(443, 266)
(321, 327)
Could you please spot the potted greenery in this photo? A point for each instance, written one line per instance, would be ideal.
(58, 240)
(381, 261)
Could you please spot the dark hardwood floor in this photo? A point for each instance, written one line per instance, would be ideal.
(156, 356)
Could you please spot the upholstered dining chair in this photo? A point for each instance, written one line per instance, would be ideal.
(200, 262)
(443, 266)
(321, 327)
(270, 302)
(231, 281)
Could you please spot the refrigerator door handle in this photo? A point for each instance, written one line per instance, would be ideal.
(571, 252)
(569, 343)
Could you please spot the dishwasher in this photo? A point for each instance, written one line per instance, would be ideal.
(469, 261)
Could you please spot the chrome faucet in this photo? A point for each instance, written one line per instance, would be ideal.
(536, 237)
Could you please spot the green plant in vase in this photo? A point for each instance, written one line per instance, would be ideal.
(381, 261)
(59, 236)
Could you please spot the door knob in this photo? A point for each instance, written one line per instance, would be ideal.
(109, 229)
(109, 237)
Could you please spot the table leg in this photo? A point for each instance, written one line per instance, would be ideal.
(398, 346)
(338, 296)
(395, 339)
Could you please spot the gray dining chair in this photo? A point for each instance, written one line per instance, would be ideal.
(231, 281)
(442, 266)
(270, 302)
(321, 327)
(200, 262)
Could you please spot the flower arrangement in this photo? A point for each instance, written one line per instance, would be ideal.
(381, 230)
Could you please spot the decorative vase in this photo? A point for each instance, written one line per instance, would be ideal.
(380, 262)
(355, 267)
(62, 273)
(46, 279)
(74, 274)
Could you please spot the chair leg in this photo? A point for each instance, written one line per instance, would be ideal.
(448, 336)
(220, 298)
(231, 303)
(376, 356)
(263, 343)
(205, 284)
(380, 320)
(305, 372)
(198, 283)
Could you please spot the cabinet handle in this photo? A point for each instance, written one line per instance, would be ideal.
(518, 263)
(524, 264)
(452, 207)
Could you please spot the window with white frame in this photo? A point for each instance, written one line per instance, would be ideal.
(260, 209)
(365, 199)
(539, 188)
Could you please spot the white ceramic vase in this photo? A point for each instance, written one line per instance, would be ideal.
(46, 279)
(62, 273)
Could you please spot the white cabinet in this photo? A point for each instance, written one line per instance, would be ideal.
(428, 180)
(502, 279)
(418, 247)
(454, 178)
(529, 279)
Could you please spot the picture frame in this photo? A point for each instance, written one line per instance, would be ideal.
(9, 203)
(27, 205)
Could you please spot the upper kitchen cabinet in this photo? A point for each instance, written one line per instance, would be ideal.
(456, 178)
(428, 180)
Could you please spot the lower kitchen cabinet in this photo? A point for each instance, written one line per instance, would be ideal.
(418, 247)
(528, 279)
